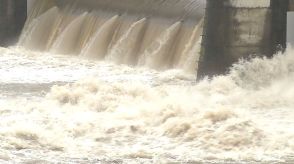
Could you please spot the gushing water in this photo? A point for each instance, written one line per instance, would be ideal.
(158, 54)
(98, 45)
(157, 43)
(66, 42)
(83, 107)
(126, 49)
(39, 31)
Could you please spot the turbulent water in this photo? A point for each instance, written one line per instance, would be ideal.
(98, 111)
(157, 42)
(96, 87)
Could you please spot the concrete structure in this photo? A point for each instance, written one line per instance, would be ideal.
(12, 18)
(13, 12)
(184, 9)
(290, 24)
(236, 29)
(30, 4)
(233, 29)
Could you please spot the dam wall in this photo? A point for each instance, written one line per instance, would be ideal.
(12, 18)
(235, 29)
(181, 9)
(30, 4)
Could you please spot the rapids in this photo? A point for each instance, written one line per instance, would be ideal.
(57, 110)
(106, 87)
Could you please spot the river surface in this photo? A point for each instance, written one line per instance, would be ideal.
(65, 109)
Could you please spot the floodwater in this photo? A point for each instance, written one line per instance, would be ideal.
(56, 108)
(99, 86)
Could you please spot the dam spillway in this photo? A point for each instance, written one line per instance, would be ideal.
(64, 99)
(157, 34)
(222, 46)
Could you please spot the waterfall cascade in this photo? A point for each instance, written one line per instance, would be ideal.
(80, 88)
(156, 41)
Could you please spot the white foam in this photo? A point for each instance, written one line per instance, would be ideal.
(246, 115)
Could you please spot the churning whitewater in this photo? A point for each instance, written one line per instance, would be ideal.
(95, 86)
(137, 114)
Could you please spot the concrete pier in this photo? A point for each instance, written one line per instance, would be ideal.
(235, 29)
(13, 14)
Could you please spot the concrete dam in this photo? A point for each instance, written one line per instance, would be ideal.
(230, 33)
(157, 34)
(146, 81)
